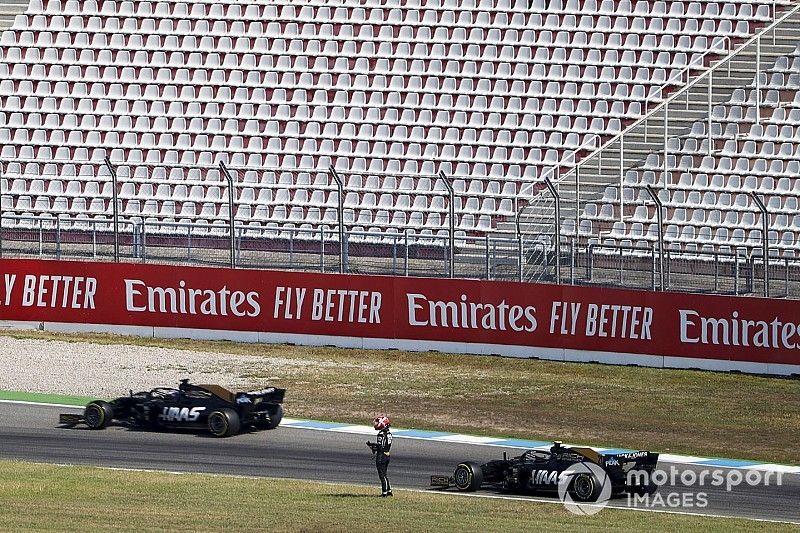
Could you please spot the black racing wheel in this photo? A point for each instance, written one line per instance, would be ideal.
(468, 477)
(224, 422)
(275, 417)
(98, 414)
(584, 487)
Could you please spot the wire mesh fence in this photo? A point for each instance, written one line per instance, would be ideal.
(639, 267)
(491, 257)
(358, 222)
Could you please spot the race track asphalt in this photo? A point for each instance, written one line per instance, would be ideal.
(31, 433)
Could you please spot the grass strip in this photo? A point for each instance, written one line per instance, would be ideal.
(676, 411)
(57, 498)
(38, 397)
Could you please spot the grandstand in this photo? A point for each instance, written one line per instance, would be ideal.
(710, 176)
(437, 126)
(9, 10)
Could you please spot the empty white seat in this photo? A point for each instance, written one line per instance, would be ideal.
(482, 91)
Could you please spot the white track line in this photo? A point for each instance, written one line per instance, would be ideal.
(64, 405)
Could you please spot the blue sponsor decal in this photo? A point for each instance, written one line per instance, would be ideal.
(419, 434)
(731, 463)
(518, 443)
(612, 451)
(313, 424)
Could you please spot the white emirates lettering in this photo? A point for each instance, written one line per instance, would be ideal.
(183, 300)
(738, 331)
(465, 314)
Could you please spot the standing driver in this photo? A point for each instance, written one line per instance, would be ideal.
(381, 450)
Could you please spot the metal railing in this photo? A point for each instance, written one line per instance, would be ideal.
(591, 177)
(644, 265)
(315, 249)
(663, 107)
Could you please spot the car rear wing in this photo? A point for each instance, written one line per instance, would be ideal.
(268, 395)
(631, 469)
(641, 459)
(626, 460)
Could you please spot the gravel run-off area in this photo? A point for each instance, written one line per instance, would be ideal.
(109, 370)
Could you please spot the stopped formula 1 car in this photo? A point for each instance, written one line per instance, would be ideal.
(222, 412)
(582, 472)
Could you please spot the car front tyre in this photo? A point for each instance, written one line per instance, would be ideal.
(468, 477)
(223, 422)
(98, 414)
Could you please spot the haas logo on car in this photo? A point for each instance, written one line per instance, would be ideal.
(544, 477)
(181, 414)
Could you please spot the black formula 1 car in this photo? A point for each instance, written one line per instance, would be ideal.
(222, 412)
(581, 472)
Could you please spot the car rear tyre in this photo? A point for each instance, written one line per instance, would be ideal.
(468, 477)
(98, 414)
(584, 488)
(275, 417)
(224, 422)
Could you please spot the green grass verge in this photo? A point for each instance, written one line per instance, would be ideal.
(58, 498)
(677, 411)
(62, 399)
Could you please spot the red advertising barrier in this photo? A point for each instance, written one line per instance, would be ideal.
(475, 313)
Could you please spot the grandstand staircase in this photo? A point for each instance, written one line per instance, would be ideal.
(537, 219)
(10, 9)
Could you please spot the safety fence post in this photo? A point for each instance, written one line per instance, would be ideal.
(115, 207)
(231, 185)
(342, 247)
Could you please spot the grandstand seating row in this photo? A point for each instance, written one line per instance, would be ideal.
(491, 92)
(707, 193)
